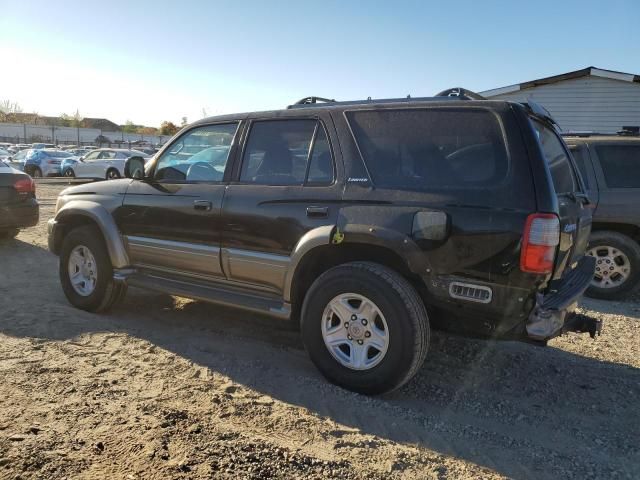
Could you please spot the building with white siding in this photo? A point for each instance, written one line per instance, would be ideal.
(591, 99)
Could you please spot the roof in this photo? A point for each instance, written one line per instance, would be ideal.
(585, 72)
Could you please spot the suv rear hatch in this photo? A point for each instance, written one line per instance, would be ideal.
(573, 205)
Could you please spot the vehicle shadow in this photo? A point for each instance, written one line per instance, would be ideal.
(484, 401)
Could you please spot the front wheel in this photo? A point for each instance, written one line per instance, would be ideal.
(617, 265)
(86, 273)
(11, 233)
(365, 327)
(36, 172)
(69, 173)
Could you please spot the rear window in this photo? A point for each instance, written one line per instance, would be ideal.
(418, 148)
(620, 165)
(562, 174)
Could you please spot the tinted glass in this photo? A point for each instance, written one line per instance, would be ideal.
(200, 155)
(564, 180)
(416, 149)
(580, 155)
(321, 163)
(92, 156)
(277, 152)
(620, 165)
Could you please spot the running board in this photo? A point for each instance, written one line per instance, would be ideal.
(219, 294)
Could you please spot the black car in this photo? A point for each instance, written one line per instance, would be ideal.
(366, 222)
(18, 204)
(610, 167)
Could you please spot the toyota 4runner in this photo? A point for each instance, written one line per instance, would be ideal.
(360, 220)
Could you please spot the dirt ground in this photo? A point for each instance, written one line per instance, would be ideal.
(165, 387)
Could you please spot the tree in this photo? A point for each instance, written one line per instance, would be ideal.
(64, 120)
(76, 121)
(147, 131)
(129, 127)
(184, 122)
(8, 109)
(168, 128)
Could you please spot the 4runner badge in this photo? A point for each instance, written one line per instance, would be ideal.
(357, 180)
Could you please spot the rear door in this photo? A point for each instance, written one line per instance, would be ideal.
(575, 214)
(284, 187)
(582, 157)
(617, 164)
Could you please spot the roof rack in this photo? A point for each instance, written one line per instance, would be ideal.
(628, 131)
(460, 94)
(457, 93)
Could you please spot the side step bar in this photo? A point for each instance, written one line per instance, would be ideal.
(218, 294)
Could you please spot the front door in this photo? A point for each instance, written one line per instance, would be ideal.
(171, 220)
(284, 187)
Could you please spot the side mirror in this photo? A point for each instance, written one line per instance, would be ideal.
(134, 168)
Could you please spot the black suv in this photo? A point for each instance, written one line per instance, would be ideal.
(355, 219)
(610, 167)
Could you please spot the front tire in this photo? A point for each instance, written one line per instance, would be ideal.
(11, 233)
(69, 173)
(617, 265)
(36, 172)
(86, 273)
(365, 327)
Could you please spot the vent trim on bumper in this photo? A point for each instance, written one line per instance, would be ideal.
(470, 292)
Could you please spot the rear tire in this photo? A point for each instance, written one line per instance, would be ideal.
(112, 174)
(398, 307)
(106, 292)
(614, 251)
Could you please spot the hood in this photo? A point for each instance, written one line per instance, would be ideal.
(111, 187)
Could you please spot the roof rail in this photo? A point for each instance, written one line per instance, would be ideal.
(312, 100)
(629, 131)
(461, 94)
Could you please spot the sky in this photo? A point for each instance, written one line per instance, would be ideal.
(150, 61)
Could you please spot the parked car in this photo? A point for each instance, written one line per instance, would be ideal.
(43, 145)
(44, 162)
(4, 155)
(18, 204)
(103, 163)
(18, 159)
(355, 219)
(610, 167)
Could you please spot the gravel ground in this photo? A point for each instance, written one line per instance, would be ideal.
(164, 387)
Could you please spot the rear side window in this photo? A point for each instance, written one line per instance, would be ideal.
(580, 155)
(620, 165)
(413, 149)
(287, 152)
(564, 179)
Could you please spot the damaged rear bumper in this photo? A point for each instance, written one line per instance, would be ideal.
(554, 314)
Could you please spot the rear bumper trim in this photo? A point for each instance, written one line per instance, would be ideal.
(552, 313)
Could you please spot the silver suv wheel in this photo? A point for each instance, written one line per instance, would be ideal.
(83, 270)
(355, 331)
(612, 267)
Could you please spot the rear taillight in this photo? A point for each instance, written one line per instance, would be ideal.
(541, 237)
(25, 186)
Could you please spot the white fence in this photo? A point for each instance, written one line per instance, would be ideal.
(26, 133)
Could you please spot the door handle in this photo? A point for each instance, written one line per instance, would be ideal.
(317, 212)
(202, 205)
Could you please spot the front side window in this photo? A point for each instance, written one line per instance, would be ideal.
(92, 156)
(199, 155)
(620, 165)
(415, 149)
(564, 179)
(287, 152)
